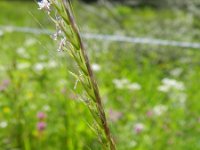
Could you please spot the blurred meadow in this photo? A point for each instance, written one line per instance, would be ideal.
(150, 92)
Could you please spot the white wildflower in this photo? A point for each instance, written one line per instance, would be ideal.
(176, 72)
(180, 98)
(39, 66)
(30, 42)
(42, 57)
(22, 66)
(52, 64)
(46, 108)
(3, 124)
(22, 52)
(121, 83)
(171, 84)
(158, 110)
(44, 5)
(126, 84)
(96, 67)
(134, 86)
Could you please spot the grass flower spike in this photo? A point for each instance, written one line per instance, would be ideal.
(44, 5)
(71, 42)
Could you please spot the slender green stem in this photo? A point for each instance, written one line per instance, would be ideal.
(91, 77)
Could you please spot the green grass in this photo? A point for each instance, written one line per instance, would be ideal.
(50, 89)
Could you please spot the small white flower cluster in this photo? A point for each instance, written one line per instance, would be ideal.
(96, 67)
(176, 72)
(22, 66)
(22, 52)
(41, 65)
(30, 42)
(158, 110)
(46, 108)
(44, 5)
(171, 84)
(126, 84)
(175, 90)
(3, 124)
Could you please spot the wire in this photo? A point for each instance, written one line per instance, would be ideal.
(111, 38)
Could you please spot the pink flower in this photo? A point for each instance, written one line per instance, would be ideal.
(41, 115)
(4, 84)
(41, 126)
(114, 115)
(149, 113)
(138, 127)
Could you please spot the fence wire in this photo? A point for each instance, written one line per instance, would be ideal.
(107, 37)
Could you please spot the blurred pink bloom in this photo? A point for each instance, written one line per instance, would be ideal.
(63, 90)
(41, 115)
(4, 84)
(149, 113)
(138, 127)
(114, 115)
(41, 126)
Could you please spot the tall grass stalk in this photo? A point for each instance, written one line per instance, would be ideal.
(71, 41)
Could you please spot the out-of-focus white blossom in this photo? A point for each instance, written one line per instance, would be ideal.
(176, 72)
(171, 84)
(22, 66)
(96, 67)
(46, 108)
(52, 64)
(22, 52)
(39, 66)
(30, 42)
(179, 98)
(126, 84)
(42, 57)
(121, 83)
(158, 110)
(3, 124)
(134, 86)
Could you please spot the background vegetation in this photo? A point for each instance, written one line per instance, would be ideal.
(151, 93)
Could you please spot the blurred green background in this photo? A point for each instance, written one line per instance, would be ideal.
(150, 92)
